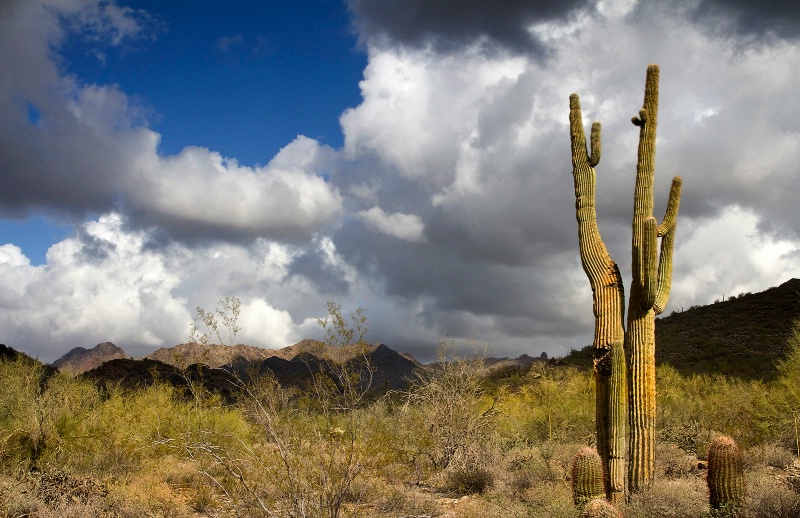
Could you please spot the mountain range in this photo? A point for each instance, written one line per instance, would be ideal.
(743, 336)
(221, 369)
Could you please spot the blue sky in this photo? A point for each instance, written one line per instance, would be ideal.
(239, 77)
(411, 158)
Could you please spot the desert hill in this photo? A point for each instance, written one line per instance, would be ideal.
(80, 359)
(743, 336)
(129, 374)
(291, 366)
(212, 355)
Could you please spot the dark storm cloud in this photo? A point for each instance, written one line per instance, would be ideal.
(753, 19)
(326, 280)
(448, 25)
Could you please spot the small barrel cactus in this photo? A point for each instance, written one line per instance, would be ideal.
(587, 476)
(725, 477)
(600, 508)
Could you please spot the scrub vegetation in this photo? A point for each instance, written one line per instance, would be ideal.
(463, 440)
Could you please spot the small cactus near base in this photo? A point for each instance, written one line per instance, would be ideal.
(600, 508)
(587, 476)
(725, 477)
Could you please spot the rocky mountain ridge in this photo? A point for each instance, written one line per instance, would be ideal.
(80, 359)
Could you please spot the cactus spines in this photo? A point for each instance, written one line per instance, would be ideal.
(608, 301)
(600, 508)
(725, 477)
(587, 476)
(652, 277)
(625, 386)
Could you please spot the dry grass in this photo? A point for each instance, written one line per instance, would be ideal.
(138, 453)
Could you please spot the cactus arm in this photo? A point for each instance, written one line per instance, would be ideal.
(667, 232)
(647, 266)
(580, 156)
(594, 159)
(645, 166)
(673, 204)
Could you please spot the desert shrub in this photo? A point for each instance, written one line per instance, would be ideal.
(225, 315)
(768, 498)
(402, 500)
(556, 405)
(673, 461)
(669, 499)
(786, 398)
(468, 478)
(128, 427)
(305, 452)
(39, 410)
(692, 408)
(449, 417)
(768, 454)
(549, 500)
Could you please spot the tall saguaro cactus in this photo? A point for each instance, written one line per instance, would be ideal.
(652, 278)
(609, 303)
(625, 357)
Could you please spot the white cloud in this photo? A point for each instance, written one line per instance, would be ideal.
(406, 227)
(263, 324)
(727, 255)
(199, 188)
(416, 108)
(465, 154)
(91, 150)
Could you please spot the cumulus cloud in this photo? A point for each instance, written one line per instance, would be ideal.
(483, 139)
(89, 148)
(406, 227)
(108, 283)
(450, 209)
(122, 292)
(199, 193)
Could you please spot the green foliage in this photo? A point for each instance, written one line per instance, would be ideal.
(317, 452)
(346, 376)
(228, 310)
(693, 407)
(306, 452)
(555, 404)
(38, 409)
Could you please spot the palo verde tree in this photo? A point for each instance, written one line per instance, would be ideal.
(228, 310)
(650, 287)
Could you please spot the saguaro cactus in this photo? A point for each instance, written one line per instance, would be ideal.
(609, 303)
(587, 477)
(652, 278)
(725, 477)
(649, 293)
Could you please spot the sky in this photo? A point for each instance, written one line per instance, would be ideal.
(409, 157)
